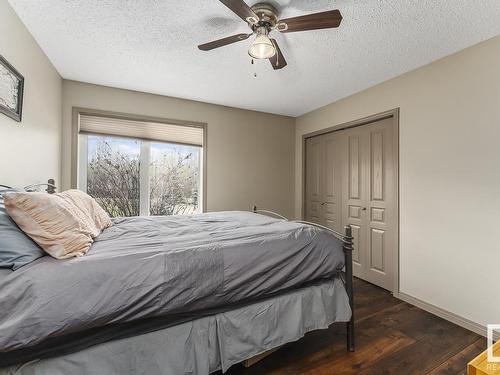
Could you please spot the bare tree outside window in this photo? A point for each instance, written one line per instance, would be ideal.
(174, 179)
(113, 176)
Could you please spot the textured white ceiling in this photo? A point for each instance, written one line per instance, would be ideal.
(151, 46)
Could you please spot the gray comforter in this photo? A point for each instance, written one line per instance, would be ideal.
(145, 267)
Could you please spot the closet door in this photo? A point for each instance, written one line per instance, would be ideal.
(314, 179)
(370, 200)
(381, 213)
(323, 180)
(355, 194)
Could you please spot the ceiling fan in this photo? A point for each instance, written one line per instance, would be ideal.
(262, 18)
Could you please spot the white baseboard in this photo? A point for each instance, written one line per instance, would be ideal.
(454, 318)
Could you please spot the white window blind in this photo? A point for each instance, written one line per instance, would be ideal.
(182, 134)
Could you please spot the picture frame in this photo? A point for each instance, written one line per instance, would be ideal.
(11, 90)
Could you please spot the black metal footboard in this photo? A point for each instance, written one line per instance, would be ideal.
(346, 238)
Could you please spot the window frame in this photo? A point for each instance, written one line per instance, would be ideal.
(78, 168)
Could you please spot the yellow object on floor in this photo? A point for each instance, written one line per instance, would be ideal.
(481, 366)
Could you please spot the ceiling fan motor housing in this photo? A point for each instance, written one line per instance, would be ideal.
(268, 16)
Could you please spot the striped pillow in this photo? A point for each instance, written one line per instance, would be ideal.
(64, 225)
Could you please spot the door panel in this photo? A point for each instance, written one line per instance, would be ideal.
(357, 244)
(332, 207)
(354, 160)
(314, 164)
(377, 250)
(377, 165)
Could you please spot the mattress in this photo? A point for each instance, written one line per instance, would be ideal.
(155, 267)
(204, 345)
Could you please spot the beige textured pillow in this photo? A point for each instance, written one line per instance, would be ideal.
(63, 224)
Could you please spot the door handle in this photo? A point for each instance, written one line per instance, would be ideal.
(364, 208)
(322, 203)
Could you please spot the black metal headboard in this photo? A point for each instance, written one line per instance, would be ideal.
(51, 186)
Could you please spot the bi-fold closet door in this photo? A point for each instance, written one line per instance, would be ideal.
(323, 182)
(351, 178)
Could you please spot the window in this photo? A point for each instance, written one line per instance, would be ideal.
(129, 173)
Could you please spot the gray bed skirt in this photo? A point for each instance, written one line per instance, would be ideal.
(207, 344)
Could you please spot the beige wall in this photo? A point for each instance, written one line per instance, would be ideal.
(250, 154)
(449, 176)
(30, 151)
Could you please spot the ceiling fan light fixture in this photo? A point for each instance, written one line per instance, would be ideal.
(262, 47)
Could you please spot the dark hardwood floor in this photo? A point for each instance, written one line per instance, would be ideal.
(392, 337)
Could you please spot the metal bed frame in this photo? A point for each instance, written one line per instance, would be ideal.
(346, 238)
(51, 187)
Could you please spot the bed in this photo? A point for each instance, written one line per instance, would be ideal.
(182, 294)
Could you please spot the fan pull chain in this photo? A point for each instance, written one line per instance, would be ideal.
(254, 73)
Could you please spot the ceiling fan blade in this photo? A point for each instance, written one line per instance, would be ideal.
(323, 20)
(223, 42)
(277, 61)
(242, 10)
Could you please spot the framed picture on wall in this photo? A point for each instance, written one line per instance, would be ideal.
(11, 90)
